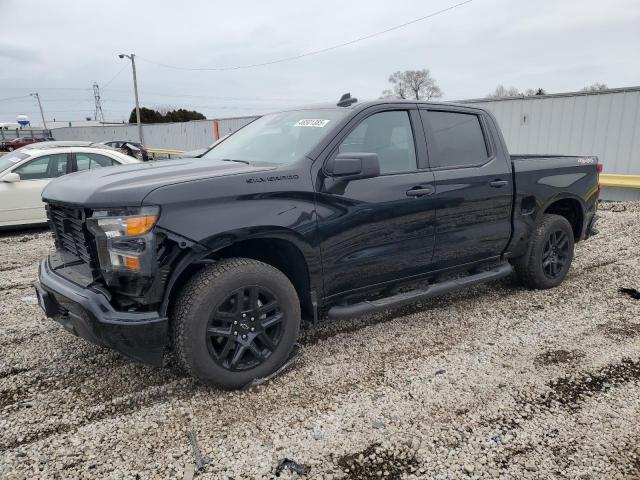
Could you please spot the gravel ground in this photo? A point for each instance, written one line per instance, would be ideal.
(497, 381)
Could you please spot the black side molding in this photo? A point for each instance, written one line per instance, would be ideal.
(340, 312)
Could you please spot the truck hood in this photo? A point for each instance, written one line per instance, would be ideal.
(127, 185)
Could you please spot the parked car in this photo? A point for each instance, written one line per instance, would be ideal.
(16, 143)
(347, 209)
(25, 172)
(133, 149)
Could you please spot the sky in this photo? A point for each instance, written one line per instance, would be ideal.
(60, 48)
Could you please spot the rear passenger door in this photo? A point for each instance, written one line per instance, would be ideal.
(473, 186)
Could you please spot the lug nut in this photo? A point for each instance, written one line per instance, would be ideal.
(244, 336)
(252, 319)
(235, 333)
(235, 322)
(252, 329)
(244, 315)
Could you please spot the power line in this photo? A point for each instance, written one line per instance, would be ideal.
(44, 88)
(313, 52)
(13, 98)
(213, 97)
(104, 87)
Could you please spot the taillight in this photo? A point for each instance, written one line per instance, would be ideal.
(599, 167)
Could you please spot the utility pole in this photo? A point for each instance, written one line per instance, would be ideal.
(44, 123)
(98, 114)
(135, 89)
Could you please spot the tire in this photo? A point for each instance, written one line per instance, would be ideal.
(545, 266)
(10, 149)
(227, 306)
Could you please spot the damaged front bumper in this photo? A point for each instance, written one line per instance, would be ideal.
(87, 313)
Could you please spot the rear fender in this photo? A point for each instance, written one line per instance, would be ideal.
(529, 212)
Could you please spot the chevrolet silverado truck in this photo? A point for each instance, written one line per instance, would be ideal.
(330, 211)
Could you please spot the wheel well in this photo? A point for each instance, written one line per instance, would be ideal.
(281, 254)
(570, 209)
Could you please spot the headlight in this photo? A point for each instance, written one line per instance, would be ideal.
(124, 239)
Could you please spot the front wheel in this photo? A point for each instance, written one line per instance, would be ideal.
(550, 254)
(234, 321)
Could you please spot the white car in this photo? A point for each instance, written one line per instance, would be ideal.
(25, 172)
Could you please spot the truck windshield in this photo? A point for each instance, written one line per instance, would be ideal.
(278, 137)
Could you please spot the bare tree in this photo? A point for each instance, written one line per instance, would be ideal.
(531, 92)
(413, 84)
(595, 87)
(502, 91)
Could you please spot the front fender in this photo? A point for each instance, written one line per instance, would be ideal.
(216, 213)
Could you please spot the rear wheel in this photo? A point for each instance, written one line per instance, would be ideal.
(9, 148)
(550, 254)
(234, 321)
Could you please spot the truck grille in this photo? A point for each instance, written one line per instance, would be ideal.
(70, 231)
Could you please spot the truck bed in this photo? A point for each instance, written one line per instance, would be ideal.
(528, 156)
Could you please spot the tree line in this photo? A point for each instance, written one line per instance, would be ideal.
(149, 115)
(420, 85)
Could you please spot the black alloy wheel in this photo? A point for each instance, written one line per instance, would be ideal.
(233, 321)
(550, 253)
(245, 328)
(555, 254)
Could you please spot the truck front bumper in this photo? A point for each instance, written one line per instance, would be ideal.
(87, 313)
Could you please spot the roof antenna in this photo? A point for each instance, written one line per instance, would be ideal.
(346, 100)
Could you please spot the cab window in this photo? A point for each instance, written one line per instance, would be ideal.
(387, 134)
(457, 139)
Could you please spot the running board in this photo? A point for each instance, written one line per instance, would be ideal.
(340, 312)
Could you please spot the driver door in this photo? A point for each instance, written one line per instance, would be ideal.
(380, 229)
(21, 202)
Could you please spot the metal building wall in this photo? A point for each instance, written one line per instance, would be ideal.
(230, 125)
(102, 133)
(605, 123)
(173, 136)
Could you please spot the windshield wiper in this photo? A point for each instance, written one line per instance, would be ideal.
(234, 160)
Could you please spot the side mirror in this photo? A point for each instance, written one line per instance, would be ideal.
(11, 177)
(353, 166)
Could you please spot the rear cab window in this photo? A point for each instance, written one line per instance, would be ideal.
(454, 139)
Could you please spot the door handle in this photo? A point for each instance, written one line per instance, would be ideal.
(499, 183)
(420, 191)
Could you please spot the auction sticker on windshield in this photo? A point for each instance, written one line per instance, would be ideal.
(311, 122)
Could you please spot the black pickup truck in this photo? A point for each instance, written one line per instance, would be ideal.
(331, 210)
